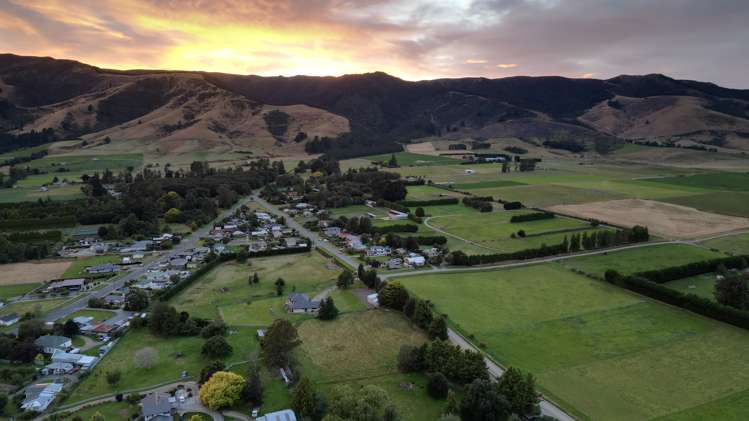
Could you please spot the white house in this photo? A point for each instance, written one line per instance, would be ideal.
(414, 259)
(394, 214)
(39, 396)
(85, 362)
(57, 369)
(285, 415)
(378, 251)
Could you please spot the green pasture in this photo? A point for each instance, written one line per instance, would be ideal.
(16, 290)
(640, 259)
(226, 287)
(413, 159)
(36, 306)
(427, 192)
(25, 194)
(547, 195)
(358, 210)
(727, 203)
(597, 349)
(98, 315)
(110, 411)
(735, 244)
(77, 269)
(87, 163)
(702, 285)
(723, 181)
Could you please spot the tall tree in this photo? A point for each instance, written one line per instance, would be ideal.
(306, 402)
(520, 391)
(482, 401)
(328, 310)
(280, 339)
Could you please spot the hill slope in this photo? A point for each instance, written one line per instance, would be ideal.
(169, 110)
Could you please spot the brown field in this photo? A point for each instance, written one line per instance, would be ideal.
(425, 148)
(29, 273)
(662, 219)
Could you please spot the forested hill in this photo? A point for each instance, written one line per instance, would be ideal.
(76, 99)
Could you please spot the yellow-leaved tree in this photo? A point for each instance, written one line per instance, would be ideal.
(222, 390)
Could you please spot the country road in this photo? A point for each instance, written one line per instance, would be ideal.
(187, 242)
(547, 408)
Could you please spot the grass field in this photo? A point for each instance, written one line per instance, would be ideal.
(98, 315)
(493, 229)
(32, 193)
(737, 244)
(547, 195)
(358, 210)
(78, 268)
(702, 285)
(726, 203)
(413, 159)
(226, 287)
(168, 366)
(725, 181)
(486, 184)
(110, 411)
(362, 348)
(641, 259)
(36, 306)
(9, 291)
(90, 163)
(427, 192)
(603, 351)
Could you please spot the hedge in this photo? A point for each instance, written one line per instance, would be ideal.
(433, 202)
(51, 222)
(536, 216)
(513, 205)
(395, 228)
(483, 204)
(430, 240)
(693, 269)
(691, 302)
(33, 236)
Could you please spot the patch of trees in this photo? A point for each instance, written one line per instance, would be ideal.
(732, 289)
(164, 320)
(459, 365)
(10, 142)
(277, 122)
(21, 159)
(457, 147)
(567, 145)
(354, 187)
(432, 202)
(17, 349)
(352, 145)
(654, 144)
(328, 310)
(20, 251)
(369, 403)
(512, 205)
(691, 302)
(482, 204)
(536, 216)
(222, 390)
(513, 397)
(35, 236)
(673, 273)
(516, 150)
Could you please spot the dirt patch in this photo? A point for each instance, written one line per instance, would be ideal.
(29, 273)
(425, 148)
(662, 219)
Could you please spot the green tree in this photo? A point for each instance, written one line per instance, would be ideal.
(3, 402)
(482, 401)
(136, 300)
(392, 163)
(216, 347)
(222, 390)
(345, 279)
(732, 290)
(394, 295)
(328, 310)
(173, 215)
(113, 377)
(420, 212)
(215, 328)
(209, 370)
(280, 339)
(438, 328)
(437, 385)
(423, 314)
(254, 279)
(280, 284)
(253, 391)
(306, 402)
(70, 328)
(520, 391)
(370, 403)
(97, 417)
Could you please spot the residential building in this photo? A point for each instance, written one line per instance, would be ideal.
(394, 214)
(157, 407)
(301, 303)
(69, 285)
(285, 415)
(9, 319)
(85, 362)
(39, 396)
(103, 268)
(57, 369)
(49, 344)
(414, 259)
(378, 251)
(394, 263)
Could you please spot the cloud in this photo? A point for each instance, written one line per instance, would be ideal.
(413, 39)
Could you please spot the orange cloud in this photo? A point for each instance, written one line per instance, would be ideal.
(507, 65)
(475, 61)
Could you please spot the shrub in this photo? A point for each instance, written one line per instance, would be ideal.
(437, 385)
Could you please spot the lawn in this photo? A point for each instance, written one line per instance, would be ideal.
(9, 291)
(413, 159)
(736, 245)
(98, 315)
(362, 348)
(226, 287)
(175, 354)
(78, 268)
(641, 259)
(602, 351)
(548, 195)
(36, 306)
(427, 192)
(86, 163)
(110, 411)
(486, 184)
(257, 313)
(23, 194)
(726, 203)
(358, 210)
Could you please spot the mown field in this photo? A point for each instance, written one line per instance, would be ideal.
(602, 351)
(77, 269)
(413, 159)
(641, 259)
(737, 244)
(362, 348)
(226, 290)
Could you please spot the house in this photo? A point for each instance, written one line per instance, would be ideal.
(69, 285)
(57, 369)
(333, 231)
(414, 259)
(83, 320)
(115, 299)
(394, 263)
(219, 248)
(378, 251)
(50, 344)
(157, 407)
(262, 232)
(285, 415)
(291, 242)
(9, 319)
(85, 362)
(138, 246)
(103, 268)
(394, 214)
(39, 396)
(178, 263)
(300, 303)
(260, 334)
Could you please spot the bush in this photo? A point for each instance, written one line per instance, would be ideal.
(513, 205)
(432, 202)
(482, 204)
(409, 359)
(437, 385)
(216, 347)
(536, 216)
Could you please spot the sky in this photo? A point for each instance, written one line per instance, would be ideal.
(412, 39)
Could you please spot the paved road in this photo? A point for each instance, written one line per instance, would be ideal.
(187, 242)
(547, 408)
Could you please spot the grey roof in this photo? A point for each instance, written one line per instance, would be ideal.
(66, 283)
(285, 415)
(155, 404)
(301, 301)
(103, 268)
(51, 341)
(9, 317)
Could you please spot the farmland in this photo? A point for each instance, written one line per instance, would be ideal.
(362, 348)
(737, 244)
(413, 159)
(607, 353)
